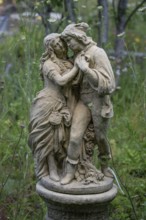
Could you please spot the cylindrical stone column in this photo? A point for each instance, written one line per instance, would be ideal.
(67, 206)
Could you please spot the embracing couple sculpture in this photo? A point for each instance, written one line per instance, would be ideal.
(71, 114)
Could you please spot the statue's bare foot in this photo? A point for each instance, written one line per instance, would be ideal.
(70, 173)
(54, 176)
(67, 179)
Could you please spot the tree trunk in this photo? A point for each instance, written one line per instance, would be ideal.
(119, 42)
(70, 10)
(103, 22)
(120, 27)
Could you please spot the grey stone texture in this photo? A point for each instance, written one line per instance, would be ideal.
(63, 206)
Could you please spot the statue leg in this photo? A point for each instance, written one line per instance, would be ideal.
(81, 119)
(101, 126)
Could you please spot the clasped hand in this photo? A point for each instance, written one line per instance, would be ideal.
(82, 62)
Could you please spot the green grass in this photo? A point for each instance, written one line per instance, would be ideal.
(128, 141)
(18, 199)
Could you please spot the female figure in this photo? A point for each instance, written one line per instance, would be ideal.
(50, 113)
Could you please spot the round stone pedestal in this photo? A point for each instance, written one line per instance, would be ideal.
(80, 202)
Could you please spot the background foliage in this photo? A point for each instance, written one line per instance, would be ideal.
(19, 68)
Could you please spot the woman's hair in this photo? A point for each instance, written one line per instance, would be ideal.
(49, 52)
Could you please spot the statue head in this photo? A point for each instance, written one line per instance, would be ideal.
(75, 36)
(50, 38)
(54, 44)
(54, 47)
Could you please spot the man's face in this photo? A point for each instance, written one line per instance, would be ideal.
(73, 44)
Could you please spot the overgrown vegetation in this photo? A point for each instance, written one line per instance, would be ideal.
(128, 141)
(19, 67)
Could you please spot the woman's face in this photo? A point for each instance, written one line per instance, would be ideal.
(59, 47)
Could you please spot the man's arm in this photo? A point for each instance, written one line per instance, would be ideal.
(83, 64)
(101, 76)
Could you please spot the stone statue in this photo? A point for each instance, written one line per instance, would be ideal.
(50, 116)
(96, 85)
(74, 99)
(61, 116)
(68, 117)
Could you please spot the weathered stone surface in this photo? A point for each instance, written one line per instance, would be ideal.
(77, 187)
(68, 118)
(89, 212)
(76, 199)
(70, 115)
(76, 207)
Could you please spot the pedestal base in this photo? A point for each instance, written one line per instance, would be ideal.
(63, 206)
(75, 212)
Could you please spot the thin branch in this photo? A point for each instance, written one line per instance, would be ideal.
(60, 23)
(133, 12)
(45, 22)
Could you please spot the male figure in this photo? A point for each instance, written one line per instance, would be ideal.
(96, 84)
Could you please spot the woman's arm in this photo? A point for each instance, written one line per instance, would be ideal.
(59, 79)
(64, 79)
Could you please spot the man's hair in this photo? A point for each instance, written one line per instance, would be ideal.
(77, 31)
